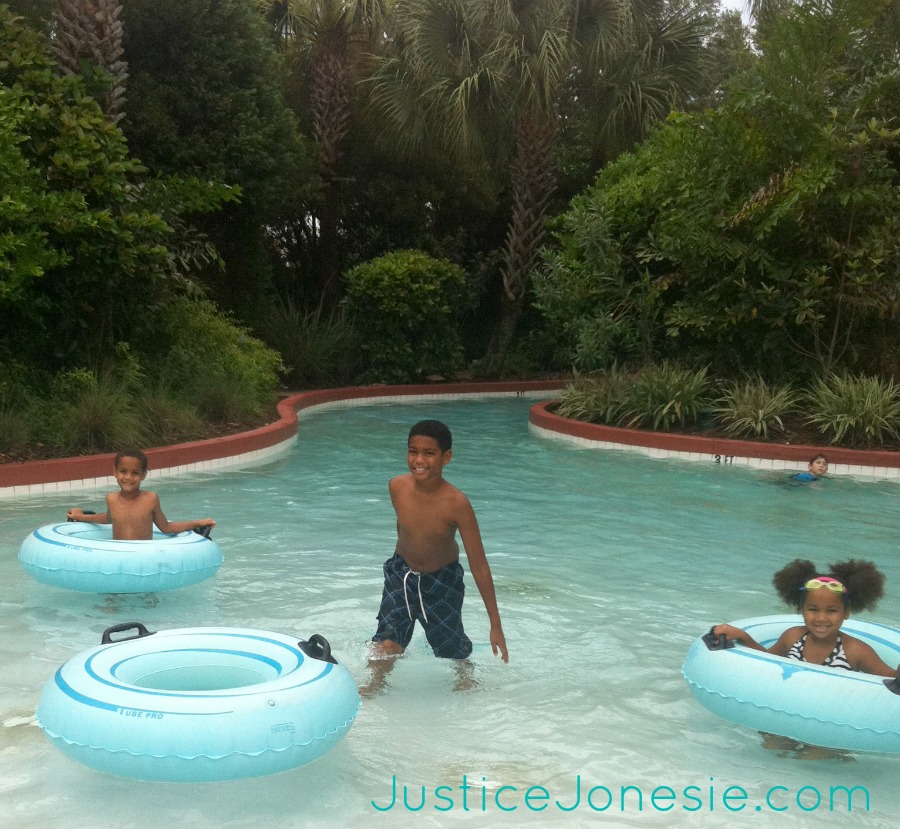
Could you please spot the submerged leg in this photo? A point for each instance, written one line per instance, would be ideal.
(465, 675)
(381, 663)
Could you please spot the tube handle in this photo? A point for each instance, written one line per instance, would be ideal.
(317, 647)
(716, 643)
(141, 632)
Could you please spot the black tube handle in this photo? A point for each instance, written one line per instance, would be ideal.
(204, 530)
(893, 685)
(716, 642)
(85, 512)
(141, 632)
(317, 647)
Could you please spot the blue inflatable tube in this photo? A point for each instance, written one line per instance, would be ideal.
(199, 704)
(809, 703)
(81, 556)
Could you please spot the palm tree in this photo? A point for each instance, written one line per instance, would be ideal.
(489, 79)
(330, 40)
(88, 34)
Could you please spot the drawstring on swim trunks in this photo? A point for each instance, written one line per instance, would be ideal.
(406, 575)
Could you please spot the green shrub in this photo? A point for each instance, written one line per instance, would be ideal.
(754, 408)
(600, 341)
(168, 418)
(855, 410)
(665, 396)
(15, 431)
(405, 307)
(601, 398)
(226, 371)
(94, 412)
(318, 350)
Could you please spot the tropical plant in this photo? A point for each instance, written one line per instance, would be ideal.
(598, 398)
(95, 411)
(405, 307)
(167, 415)
(83, 256)
(15, 430)
(227, 372)
(87, 41)
(318, 348)
(752, 407)
(855, 409)
(487, 81)
(764, 233)
(207, 101)
(328, 41)
(664, 396)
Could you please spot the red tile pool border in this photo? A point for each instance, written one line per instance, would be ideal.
(881, 464)
(246, 447)
(258, 445)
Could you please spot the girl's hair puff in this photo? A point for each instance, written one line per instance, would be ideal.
(863, 580)
(789, 581)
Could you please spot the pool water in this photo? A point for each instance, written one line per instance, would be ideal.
(607, 565)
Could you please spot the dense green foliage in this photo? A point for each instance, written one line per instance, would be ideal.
(763, 234)
(405, 305)
(206, 98)
(96, 310)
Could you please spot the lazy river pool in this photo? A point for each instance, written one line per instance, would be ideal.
(607, 566)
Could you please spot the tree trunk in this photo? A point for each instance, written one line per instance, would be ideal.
(331, 121)
(90, 32)
(534, 182)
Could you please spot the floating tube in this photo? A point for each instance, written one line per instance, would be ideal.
(199, 704)
(810, 703)
(80, 556)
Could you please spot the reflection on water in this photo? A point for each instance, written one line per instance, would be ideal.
(607, 566)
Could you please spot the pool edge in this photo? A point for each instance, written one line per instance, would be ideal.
(878, 464)
(245, 449)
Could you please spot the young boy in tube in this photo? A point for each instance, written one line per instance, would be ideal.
(132, 511)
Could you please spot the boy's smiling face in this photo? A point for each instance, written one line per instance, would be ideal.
(425, 458)
(130, 473)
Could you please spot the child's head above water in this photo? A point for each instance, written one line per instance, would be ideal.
(818, 465)
(139, 456)
(433, 429)
(859, 584)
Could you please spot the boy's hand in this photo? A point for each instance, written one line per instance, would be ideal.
(498, 643)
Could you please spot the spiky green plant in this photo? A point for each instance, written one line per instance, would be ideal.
(666, 396)
(751, 407)
(599, 398)
(14, 429)
(855, 409)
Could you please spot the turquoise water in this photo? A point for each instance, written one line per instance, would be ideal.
(607, 566)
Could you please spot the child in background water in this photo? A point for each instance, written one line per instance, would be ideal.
(817, 468)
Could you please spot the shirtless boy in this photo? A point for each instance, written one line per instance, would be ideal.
(132, 512)
(423, 580)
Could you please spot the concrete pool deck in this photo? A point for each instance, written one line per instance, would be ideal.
(51, 477)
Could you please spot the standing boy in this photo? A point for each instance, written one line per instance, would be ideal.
(131, 511)
(423, 580)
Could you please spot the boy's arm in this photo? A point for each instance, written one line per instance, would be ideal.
(172, 527)
(77, 514)
(481, 572)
